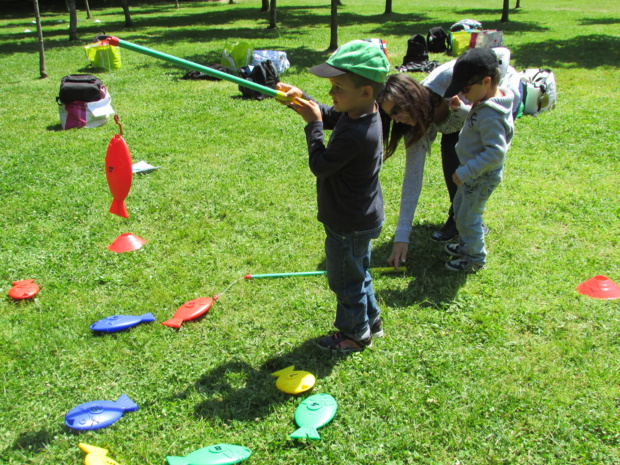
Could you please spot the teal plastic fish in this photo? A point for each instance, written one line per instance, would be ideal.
(312, 413)
(219, 454)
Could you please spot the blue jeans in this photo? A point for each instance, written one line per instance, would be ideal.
(348, 259)
(469, 202)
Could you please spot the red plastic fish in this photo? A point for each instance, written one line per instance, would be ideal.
(189, 310)
(24, 289)
(119, 172)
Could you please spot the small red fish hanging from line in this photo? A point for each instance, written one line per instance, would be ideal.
(118, 170)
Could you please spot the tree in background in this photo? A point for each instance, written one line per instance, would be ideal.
(388, 7)
(272, 14)
(37, 16)
(128, 21)
(72, 20)
(333, 42)
(505, 11)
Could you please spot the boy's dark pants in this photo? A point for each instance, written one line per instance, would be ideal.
(347, 263)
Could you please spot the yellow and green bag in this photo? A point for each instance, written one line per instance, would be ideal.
(460, 42)
(102, 55)
(239, 56)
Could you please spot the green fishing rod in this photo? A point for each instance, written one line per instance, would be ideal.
(195, 66)
(389, 269)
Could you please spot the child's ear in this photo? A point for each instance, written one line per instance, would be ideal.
(367, 91)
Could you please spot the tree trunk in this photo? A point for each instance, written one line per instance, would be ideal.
(72, 21)
(272, 14)
(333, 43)
(388, 7)
(265, 6)
(37, 16)
(176, 4)
(518, 5)
(87, 9)
(505, 12)
(128, 21)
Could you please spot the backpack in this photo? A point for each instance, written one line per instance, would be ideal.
(417, 50)
(83, 101)
(539, 90)
(264, 73)
(437, 40)
(80, 88)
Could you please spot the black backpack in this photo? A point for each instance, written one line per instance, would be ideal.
(264, 73)
(417, 51)
(437, 40)
(80, 88)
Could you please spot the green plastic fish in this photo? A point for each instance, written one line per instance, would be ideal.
(219, 454)
(312, 413)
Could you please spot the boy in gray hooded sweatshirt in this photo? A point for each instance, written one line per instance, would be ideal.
(482, 146)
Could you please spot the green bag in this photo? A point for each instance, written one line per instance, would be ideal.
(239, 56)
(102, 55)
(460, 42)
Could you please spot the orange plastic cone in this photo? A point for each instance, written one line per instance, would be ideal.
(600, 287)
(126, 243)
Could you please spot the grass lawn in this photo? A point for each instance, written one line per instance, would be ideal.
(511, 365)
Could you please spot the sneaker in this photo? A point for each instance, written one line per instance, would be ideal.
(460, 264)
(339, 342)
(446, 233)
(453, 249)
(376, 329)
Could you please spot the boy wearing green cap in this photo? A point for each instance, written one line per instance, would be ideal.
(350, 202)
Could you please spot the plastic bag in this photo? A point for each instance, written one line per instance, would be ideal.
(487, 38)
(239, 56)
(103, 55)
(279, 59)
(460, 42)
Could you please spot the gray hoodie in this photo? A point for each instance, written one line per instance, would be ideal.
(486, 136)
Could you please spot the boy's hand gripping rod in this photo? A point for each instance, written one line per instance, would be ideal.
(195, 66)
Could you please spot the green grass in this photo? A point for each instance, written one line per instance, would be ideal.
(509, 366)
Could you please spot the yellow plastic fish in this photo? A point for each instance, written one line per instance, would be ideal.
(96, 455)
(293, 382)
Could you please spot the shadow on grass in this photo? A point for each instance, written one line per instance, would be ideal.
(33, 441)
(430, 284)
(208, 25)
(237, 391)
(588, 51)
(599, 21)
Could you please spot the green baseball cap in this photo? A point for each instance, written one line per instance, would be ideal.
(359, 57)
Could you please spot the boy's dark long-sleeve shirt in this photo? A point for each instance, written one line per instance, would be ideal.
(349, 193)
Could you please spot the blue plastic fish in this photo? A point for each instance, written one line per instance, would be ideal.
(99, 413)
(312, 413)
(115, 323)
(220, 454)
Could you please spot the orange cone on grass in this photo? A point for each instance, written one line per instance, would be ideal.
(600, 287)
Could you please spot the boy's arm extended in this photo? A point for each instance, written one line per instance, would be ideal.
(309, 112)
